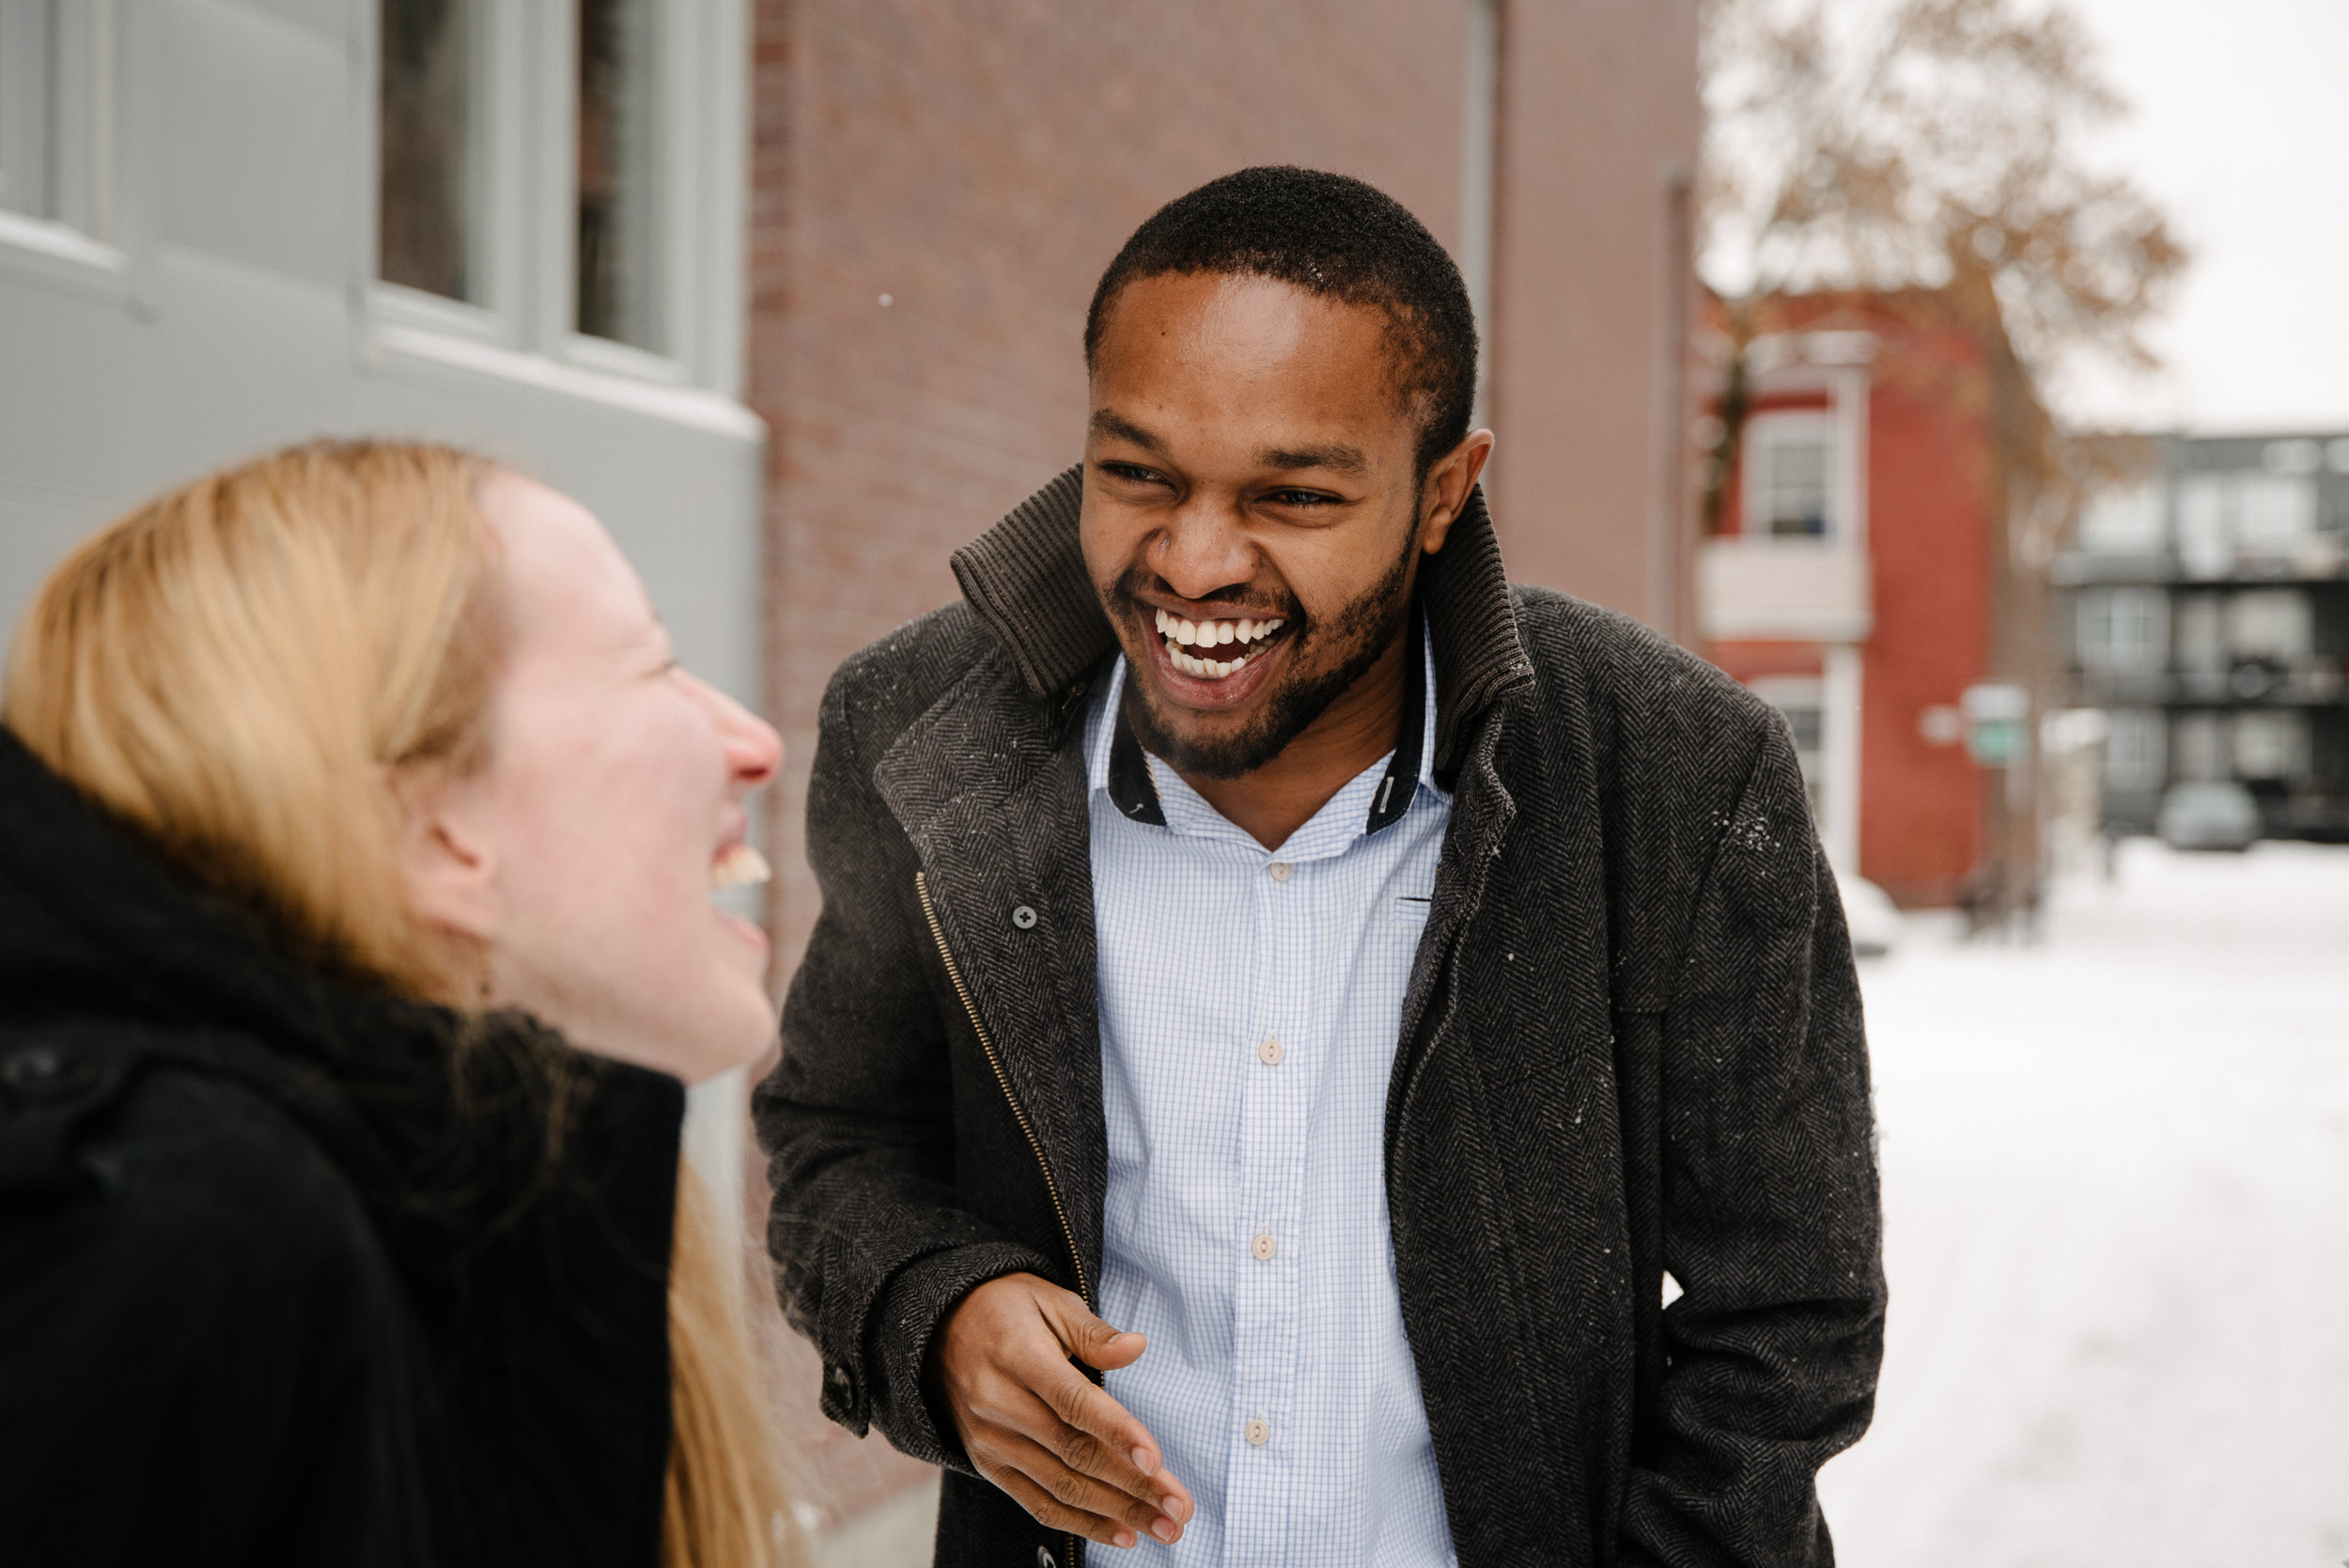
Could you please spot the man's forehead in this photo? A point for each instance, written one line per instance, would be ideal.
(1285, 455)
(1319, 375)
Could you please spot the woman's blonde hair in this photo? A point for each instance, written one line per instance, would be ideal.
(247, 670)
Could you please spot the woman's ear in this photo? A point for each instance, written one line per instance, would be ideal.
(444, 860)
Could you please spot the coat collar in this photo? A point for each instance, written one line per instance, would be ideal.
(1025, 580)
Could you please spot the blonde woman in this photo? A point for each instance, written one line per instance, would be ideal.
(357, 837)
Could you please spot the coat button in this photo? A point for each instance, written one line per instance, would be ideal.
(1044, 1556)
(1023, 918)
(840, 1378)
(36, 1068)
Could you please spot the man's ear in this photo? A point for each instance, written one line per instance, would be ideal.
(444, 860)
(1449, 484)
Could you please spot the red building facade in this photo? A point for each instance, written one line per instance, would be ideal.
(1850, 573)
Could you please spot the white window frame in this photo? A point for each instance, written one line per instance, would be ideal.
(2127, 519)
(2270, 743)
(2136, 749)
(525, 95)
(78, 90)
(1766, 430)
(2101, 612)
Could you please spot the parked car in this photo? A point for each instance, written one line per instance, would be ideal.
(1870, 915)
(2209, 815)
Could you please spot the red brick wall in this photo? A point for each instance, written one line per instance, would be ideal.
(1932, 520)
(1929, 541)
(1598, 114)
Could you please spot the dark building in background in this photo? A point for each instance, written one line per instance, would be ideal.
(2206, 615)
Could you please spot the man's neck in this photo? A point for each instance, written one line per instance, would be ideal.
(1355, 730)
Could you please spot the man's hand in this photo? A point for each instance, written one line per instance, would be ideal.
(1038, 1427)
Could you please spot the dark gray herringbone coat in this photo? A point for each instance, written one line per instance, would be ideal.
(1631, 1043)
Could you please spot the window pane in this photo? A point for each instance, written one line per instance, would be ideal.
(2271, 743)
(2123, 522)
(620, 282)
(426, 180)
(1797, 485)
(2123, 628)
(2272, 624)
(25, 65)
(2135, 745)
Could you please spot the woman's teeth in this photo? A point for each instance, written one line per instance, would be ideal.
(1182, 635)
(738, 866)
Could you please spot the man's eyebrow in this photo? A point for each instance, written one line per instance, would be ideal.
(1107, 422)
(1336, 457)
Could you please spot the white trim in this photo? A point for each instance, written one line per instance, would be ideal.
(393, 345)
(87, 240)
(1840, 718)
(1848, 401)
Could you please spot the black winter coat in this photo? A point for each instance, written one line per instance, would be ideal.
(287, 1275)
(1631, 1043)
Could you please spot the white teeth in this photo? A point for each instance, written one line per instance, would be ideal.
(1185, 632)
(1247, 631)
(739, 866)
(1163, 618)
(1226, 631)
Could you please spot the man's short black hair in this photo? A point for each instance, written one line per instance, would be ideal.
(1333, 235)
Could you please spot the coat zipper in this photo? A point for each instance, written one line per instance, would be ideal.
(987, 1044)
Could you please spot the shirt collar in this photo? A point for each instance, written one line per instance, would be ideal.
(1114, 759)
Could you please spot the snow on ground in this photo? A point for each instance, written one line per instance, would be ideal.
(2116, 1179)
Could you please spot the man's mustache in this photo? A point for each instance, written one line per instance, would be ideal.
(1124, 593)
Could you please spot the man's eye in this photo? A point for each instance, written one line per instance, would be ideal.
(1302, 498)
(1130, 472)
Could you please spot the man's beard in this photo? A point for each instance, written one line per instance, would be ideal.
(1361, 631)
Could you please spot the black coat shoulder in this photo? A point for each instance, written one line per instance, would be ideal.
(1652, 691)
(1667, 752)
(889, 682)
(211, 1307)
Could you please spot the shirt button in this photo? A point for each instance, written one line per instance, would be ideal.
(1279, 871)
(1263, 1246)
(1269, 1053)
(1024, 918)
(1257, 1430)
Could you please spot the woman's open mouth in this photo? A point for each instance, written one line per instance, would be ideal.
(1213, 650)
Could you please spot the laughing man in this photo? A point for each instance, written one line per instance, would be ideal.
(1290, 1007)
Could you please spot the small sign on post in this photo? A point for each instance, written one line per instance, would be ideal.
(1998, 722)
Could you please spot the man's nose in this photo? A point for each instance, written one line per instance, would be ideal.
(1202, 549)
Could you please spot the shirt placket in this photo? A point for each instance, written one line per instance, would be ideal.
(1284, 1055)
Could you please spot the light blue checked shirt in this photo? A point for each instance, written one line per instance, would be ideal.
(1251, 1003)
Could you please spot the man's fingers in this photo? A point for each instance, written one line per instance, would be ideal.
(1052, 1513)
(1090, 1339)
(1099, 1437)
(1085, 1493)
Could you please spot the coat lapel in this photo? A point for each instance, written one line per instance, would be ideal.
(991, 795)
